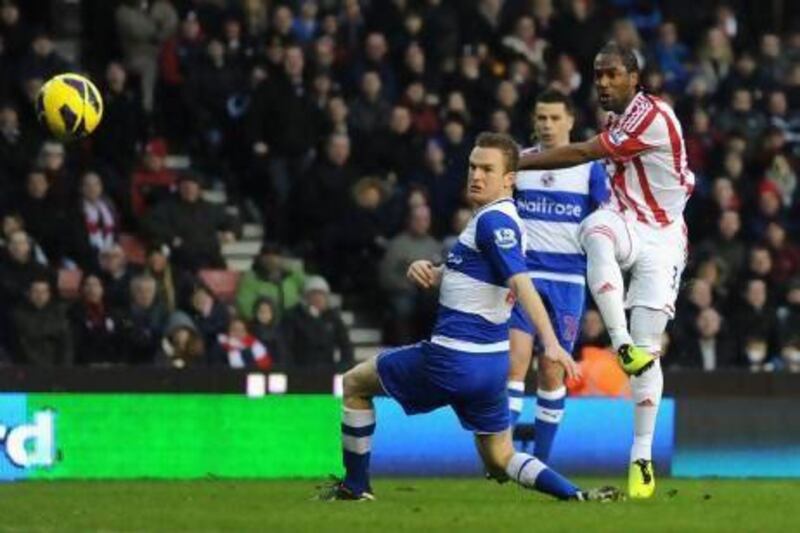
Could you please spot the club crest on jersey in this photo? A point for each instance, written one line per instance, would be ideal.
(617, 137)
(548, 179)
(454, 259)
(505, 238)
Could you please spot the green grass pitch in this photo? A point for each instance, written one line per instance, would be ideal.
(423, 505)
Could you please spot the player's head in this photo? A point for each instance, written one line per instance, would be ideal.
(553, 118)
(616, 76)
(492, 165)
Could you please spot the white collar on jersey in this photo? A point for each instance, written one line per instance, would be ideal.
(493, 202)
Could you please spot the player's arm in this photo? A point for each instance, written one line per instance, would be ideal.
(565, 156)
(527, 296)
(500, 239)
(425, 274)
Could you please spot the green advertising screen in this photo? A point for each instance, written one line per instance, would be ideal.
(169, 436)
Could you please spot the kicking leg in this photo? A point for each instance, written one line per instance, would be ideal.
(605, 281)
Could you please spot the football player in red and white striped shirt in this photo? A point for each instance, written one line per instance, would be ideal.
(641, 229)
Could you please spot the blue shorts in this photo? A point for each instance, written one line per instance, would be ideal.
(565, 303)
(424, 376)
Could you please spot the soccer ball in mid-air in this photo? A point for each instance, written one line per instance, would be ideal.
(69, 106)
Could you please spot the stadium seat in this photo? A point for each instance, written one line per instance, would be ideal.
(133, 247)
(222, 282)
(69, 283)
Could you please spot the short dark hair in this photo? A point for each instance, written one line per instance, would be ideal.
(504, 143)
(552, 96)
(625, 54)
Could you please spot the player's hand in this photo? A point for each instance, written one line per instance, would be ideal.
(422, 273)
(557, 354)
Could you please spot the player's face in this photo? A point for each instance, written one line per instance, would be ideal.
(489, 179)
(552, 123)
(615, 86)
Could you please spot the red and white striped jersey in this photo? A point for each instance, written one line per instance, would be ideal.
(649, 173)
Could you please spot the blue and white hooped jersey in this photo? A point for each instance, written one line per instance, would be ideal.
(552, 205)
(474, 300)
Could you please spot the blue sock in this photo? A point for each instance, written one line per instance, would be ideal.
(358, 425)
(516, 394)
(549, 411)
(531, 473)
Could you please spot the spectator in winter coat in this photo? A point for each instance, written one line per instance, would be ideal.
(182, 345)
(95, 327)
(272, 277)
(41, 328)
(152, 182)
(316, 335)
(211, 318)
(242, 349)
(144, 322)
(193, 228)
(265, 328)
(116, 275)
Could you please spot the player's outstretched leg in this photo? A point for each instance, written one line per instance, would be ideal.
(603, 273)
(550, 399)
(358, 424)
(647, 326)
(499, 457)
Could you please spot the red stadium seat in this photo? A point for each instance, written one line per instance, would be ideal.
(222, 282)
(69, 283)
(133, 247)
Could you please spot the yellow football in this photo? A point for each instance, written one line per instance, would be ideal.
(69, 106)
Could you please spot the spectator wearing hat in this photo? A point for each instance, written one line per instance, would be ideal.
(152, 182)
(193, 228)
(273, 277)
(315, 333)
(182, 345)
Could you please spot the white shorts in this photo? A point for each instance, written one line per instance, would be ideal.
(654, 256)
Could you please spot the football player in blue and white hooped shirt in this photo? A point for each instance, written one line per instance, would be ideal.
(552, 205)
(465, 363)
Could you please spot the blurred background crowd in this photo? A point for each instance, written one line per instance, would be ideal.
(342, 128)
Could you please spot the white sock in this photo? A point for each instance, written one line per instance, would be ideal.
(606, 284)
(516, 393)
(646, 391)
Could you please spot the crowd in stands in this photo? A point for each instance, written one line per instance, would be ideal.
(344, 127)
